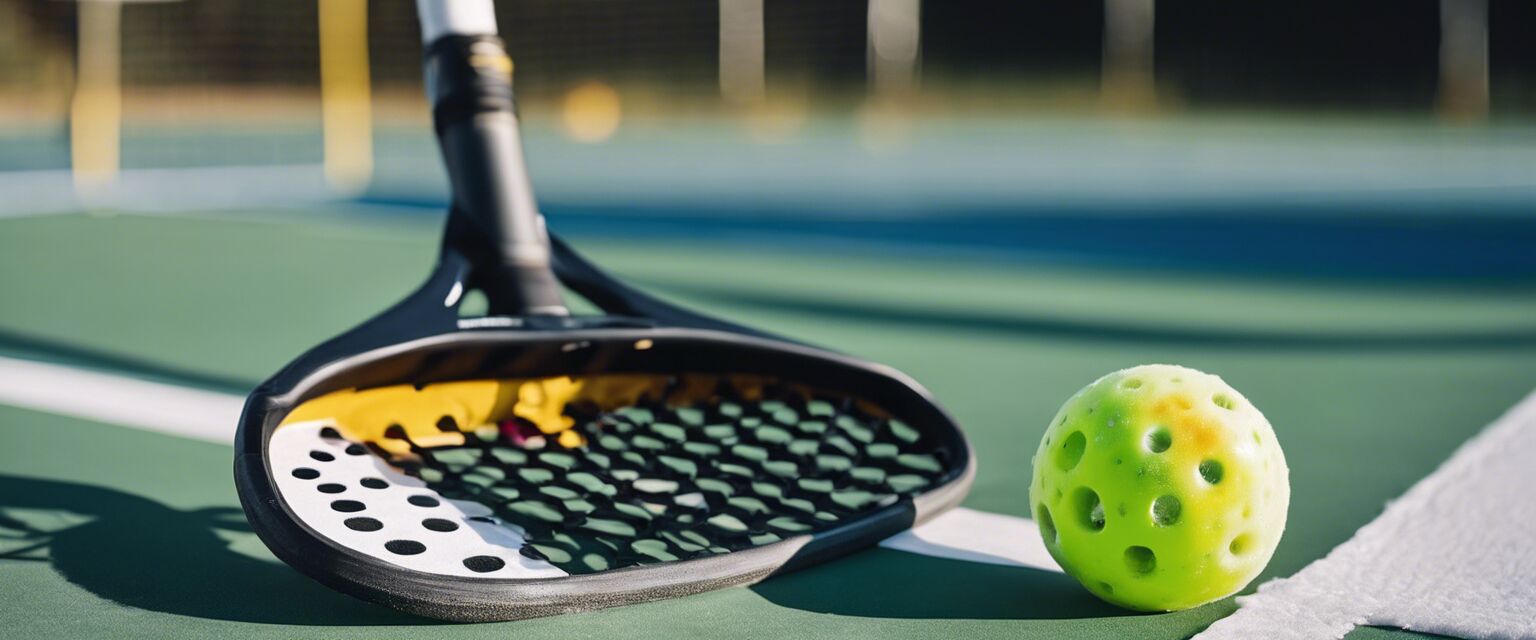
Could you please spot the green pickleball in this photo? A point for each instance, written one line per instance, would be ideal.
(1160, 488)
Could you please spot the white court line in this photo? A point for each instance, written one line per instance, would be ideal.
(52, 191)
(151, 406)
(977, 536)
(960, 534)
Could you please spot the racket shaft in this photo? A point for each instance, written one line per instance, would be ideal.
(494, 219)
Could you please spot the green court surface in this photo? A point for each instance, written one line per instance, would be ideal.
(109, 531)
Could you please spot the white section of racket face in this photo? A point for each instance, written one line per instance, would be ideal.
(357, 501)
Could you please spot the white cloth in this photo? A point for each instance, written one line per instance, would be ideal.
(1456, 555)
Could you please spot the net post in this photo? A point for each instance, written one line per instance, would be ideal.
(1462, 95)
(96, 109)
(1128, 81)
(894, 47)
(346, 95)
(742, 72)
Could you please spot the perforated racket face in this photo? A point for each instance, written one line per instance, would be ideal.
(662, 478)
(357, 500)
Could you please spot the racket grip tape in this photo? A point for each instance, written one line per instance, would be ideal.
(494, 221)
(467, 76)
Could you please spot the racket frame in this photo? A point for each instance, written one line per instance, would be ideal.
(479, 353)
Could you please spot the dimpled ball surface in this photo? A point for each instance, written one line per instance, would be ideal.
(1160, 488)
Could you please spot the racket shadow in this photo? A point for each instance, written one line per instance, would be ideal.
(881, 583)
(140, 553)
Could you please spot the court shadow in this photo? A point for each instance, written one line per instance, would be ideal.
(144, 554)
(881, 583)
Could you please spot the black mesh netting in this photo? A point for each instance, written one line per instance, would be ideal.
(663, 481)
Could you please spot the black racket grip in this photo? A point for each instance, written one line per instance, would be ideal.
(494, 221)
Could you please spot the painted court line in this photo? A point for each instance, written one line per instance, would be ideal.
(977, 536)
(103, 397)
(211, 416)
(53, 191)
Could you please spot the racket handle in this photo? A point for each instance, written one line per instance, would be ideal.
(494, 221)
(455, 18)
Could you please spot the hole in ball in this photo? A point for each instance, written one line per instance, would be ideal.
(423, 501)
(1133, 383)
(1212, 471)
(1224, 401)
(1140, 560)
(1047, 525)
(305, 473)
(1158, 440)
(1166, 510)
(1107, 588)
(1241, 544)
(1087, 508)
(321, 456)
(1071, 451)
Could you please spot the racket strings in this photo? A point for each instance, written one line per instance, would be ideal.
(658, 481)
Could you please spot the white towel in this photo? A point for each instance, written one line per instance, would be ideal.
(1456, 555)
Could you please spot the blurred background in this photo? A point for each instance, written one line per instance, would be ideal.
(741, 114)
(1369, 141)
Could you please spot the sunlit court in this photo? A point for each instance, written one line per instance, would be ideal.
(767, 319)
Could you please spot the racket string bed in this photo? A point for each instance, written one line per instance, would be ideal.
(659, 481)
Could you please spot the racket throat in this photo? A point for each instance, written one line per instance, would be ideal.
(494, 221)
(520, 290)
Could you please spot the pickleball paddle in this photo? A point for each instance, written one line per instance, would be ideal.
(532, 462)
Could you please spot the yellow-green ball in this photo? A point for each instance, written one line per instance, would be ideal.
(1160, 488)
